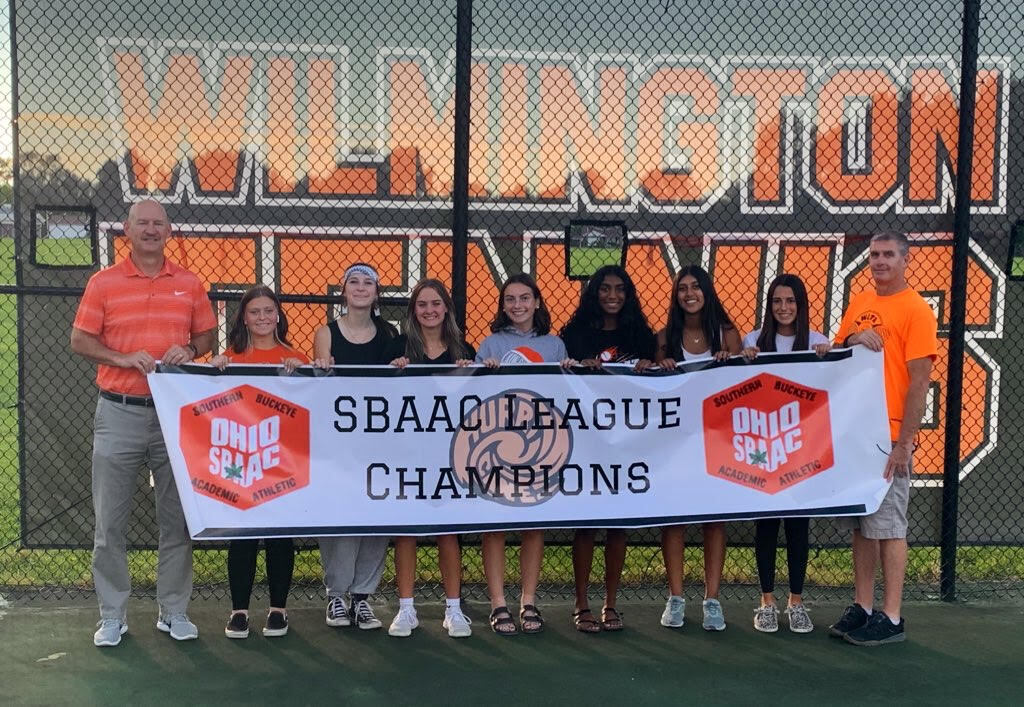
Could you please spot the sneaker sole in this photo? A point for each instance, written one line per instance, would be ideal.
(764, 630)
(236, 634)
(371, 627)
(672, 625)
(275, 632)
(399, 633)
(339, 623)
(838, 633)
(898, 638)
(801, 630)
(713, 628)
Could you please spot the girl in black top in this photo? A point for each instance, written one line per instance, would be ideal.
(608, 327)
(353, 565)
(431, 335)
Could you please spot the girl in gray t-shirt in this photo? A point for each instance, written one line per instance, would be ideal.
(520, 335)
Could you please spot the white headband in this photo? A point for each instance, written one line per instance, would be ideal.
(360, 269)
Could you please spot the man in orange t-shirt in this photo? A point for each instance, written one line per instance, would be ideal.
(896, 320)
(143, 309)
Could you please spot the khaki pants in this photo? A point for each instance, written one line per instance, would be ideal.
(127, 441)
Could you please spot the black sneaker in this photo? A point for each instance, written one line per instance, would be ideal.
(853, 618)
(878, 630)
(277, 624)
(238, 626)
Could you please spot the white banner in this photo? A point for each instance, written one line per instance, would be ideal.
(436, 449)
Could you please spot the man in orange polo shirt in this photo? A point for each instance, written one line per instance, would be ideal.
(895, 319)
(132, 314)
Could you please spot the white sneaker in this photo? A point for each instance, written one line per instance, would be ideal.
(404, 622)
(457, 623)
(674, 614)
(337, 613)
(109, 632)
(179, 626)
(714, 619)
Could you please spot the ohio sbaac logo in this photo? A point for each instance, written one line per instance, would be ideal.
(245, 446)
(767, 433)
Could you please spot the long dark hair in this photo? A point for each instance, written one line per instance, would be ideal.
(450, 334)
(238, 335)
(541, 317)
(770, 327)
(713, 317)
(589, 315)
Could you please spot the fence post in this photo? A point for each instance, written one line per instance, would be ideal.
(460, 177)
(958, 300)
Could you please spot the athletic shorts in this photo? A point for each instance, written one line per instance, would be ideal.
(890, 520)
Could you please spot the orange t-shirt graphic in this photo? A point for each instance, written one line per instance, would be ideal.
(275, 355)
(908, 329)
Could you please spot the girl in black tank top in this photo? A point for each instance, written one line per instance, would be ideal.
(344, 352)
(353, 565)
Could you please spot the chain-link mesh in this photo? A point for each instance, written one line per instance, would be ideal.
(288, 140)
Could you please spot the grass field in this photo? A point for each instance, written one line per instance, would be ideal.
(69, 570)
(584, 261)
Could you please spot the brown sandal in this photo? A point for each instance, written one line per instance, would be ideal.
(530, 616)
(611, 619)
(502, 622)
(585, 621)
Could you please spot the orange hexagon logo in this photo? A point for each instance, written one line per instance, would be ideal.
(767, 433)
(245, 447)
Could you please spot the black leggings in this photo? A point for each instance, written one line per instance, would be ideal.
(242, 570)
(766, 538)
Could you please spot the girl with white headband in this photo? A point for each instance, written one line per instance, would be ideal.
(360, 336)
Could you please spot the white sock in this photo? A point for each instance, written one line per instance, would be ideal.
(453, 604)
(868, 611)
(406, 603)
(894, 621)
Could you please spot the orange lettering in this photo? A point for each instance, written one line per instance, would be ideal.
(599, 153)
(699, 138)
(878, 177)
(768, 87)
(934, 122)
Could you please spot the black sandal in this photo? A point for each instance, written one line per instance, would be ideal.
(502, 617)
(585, 622)
(611, 619)
(530, 613)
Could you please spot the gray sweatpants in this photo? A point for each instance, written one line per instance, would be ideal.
(126, 441)
(352, 565)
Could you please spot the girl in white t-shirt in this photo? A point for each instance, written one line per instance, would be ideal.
(786, 328)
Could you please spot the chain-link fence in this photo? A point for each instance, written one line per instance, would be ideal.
(469, 141)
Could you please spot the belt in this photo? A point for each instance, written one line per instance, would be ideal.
(139, 400)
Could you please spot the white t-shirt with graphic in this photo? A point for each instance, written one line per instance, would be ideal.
(785, 343)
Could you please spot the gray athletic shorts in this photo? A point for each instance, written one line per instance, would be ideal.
(890, 520)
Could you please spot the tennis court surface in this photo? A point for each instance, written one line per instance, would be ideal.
(968, 654)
